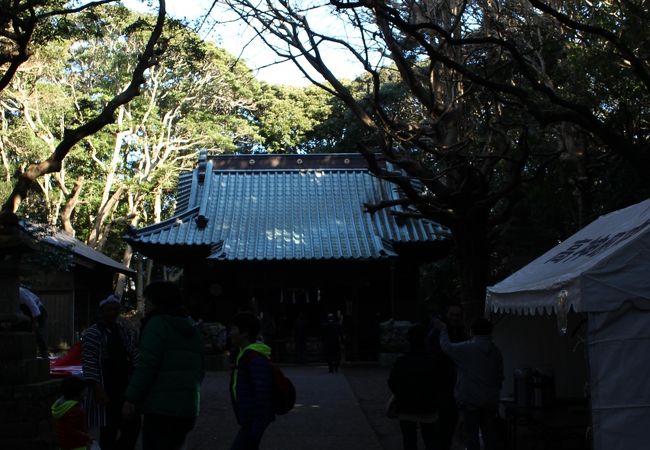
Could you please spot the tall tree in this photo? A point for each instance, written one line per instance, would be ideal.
(25, 17)
(197, 96)
(467, 99)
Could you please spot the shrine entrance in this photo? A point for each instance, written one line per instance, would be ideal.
(358, 294)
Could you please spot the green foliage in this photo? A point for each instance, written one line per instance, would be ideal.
(197, 97)
(289, 117)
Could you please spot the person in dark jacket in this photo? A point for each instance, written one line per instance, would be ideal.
(332, 336)
(448, 414)
(69, 417)
(300, 338)
(251, 383)
(166, 383)
(414, 381)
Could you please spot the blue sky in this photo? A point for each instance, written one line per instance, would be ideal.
(239, 40)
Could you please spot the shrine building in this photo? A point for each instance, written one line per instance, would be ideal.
(283, 235)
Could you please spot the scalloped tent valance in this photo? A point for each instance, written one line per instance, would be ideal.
(601, 267)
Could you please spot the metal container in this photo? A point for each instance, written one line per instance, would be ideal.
(543, 387)
(523, 386)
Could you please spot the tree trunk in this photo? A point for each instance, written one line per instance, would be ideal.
(148, 271)
(157, 206)
(139, 286)
(121, 278)
(472, 254)
(66, 215)
(115, 159)
(128, 254)
(99, 230)
(5, 163)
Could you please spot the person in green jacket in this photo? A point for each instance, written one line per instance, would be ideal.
(166, 383)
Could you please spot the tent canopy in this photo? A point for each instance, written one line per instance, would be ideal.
(599, 268)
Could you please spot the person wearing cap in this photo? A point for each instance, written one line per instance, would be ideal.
(108, 355)
(166, 384)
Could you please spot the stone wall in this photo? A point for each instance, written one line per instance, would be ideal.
(26, 394)
(25, 419)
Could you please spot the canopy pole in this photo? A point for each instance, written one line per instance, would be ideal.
(393, 269)
(562, 312)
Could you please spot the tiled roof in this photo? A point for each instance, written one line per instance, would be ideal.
(75, 246)
(183, 191)
(285, 207)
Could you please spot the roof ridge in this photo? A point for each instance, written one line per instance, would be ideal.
(262, 162)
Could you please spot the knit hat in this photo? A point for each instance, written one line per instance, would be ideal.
(110, 299)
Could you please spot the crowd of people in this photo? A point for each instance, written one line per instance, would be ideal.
(447, 374)
(151, 386)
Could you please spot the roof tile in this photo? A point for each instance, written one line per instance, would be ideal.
(270, 214)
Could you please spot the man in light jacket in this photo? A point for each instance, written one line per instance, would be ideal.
(479, 367)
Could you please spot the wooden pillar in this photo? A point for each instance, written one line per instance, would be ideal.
(392, 267)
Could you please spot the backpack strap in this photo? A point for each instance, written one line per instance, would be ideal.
(243, 364)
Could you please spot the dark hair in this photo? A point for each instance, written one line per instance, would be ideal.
(455, 305)
(247, 323)
(163, 294)
(72, 387)
(481, 327)
(416, 336)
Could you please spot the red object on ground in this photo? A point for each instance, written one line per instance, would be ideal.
(68, 364)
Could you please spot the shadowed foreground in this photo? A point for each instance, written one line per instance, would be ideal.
(328, 415)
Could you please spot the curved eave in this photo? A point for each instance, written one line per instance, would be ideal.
(182, 217)
(172, 254)
(382, 256)
(151, 241)
(95, 265)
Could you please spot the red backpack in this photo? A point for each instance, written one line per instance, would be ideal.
(284, 392)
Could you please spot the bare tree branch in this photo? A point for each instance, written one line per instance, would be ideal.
(63, 12)
(638, 65)
(147, 59)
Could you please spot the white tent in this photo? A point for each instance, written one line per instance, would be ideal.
(603, 271)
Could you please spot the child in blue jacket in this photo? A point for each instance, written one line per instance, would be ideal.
(251, 383)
